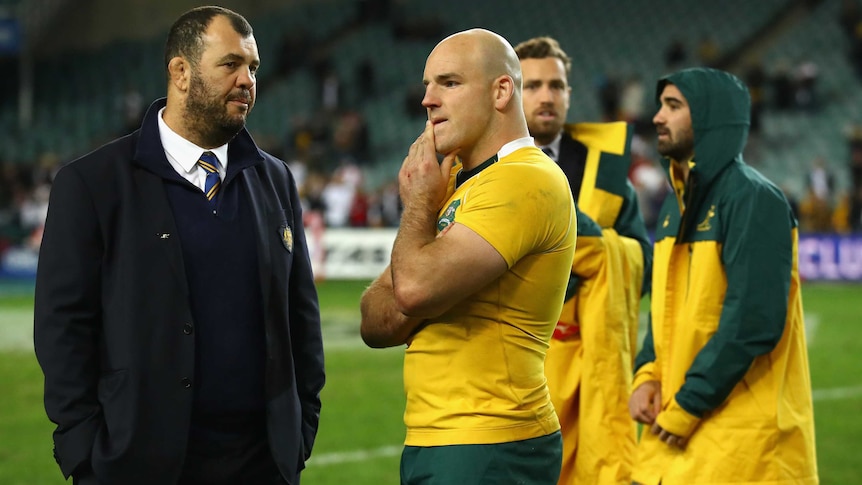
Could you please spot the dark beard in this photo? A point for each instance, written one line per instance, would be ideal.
(208, 118)
(675, 152)
(679, 150)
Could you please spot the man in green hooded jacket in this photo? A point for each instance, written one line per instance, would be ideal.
(722, 382)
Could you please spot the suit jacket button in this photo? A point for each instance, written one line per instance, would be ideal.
(187, 329)
(186, 382)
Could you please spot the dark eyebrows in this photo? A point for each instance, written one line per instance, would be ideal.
(237, 58)
(676, 102)
(553, 83)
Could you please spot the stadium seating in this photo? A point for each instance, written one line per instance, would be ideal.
(76, 103)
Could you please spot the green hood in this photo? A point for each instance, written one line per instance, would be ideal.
(720, 116)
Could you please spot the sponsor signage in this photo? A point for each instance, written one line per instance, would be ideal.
(830, 258)
(364, 254)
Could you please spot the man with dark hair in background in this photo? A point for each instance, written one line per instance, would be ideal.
(589, 362)
(722, 383)
(176, 317)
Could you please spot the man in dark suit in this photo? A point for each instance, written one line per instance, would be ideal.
(589, 361)
(176, 317)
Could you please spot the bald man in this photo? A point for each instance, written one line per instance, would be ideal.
(477, 278)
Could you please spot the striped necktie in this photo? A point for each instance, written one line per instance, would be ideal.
(209, 162)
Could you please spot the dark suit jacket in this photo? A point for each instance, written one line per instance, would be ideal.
(112, 311)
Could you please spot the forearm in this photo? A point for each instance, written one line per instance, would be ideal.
(382, 324)
(412, 254)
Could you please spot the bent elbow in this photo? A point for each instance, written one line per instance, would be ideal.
(412, 301)
(374, 339)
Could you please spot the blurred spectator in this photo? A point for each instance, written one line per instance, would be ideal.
(806, 75)
(366, 79)
(854, 142)
(841, 213)
(675, 55)
(649, 180)
(309, 139)
(16, 185)
(815, 210)
(708, 51)
(329, 86)
(820, 180)
(384, 206)
(339, 195)
(792, 200)
(782, 87)
(131, 106)
(311, 192)
(755, 78)
(632, 99)
(849, 17)
(609, 97)
(413, 101)
(46, 168)
(34, 209)
(855, 53)
(856, 210)
(293, 52)
(359, 209)
(350, 142)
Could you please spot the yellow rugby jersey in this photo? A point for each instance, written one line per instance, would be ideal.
(475, 375)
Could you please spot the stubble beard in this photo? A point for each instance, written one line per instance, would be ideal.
(544, 132)
(679, 150)
(207, 116)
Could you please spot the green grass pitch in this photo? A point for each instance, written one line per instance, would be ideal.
(361, 423)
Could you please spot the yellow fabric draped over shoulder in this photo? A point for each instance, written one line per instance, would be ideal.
(590, 374)
(607, 167)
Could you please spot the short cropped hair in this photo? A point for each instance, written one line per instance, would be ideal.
(185, 38)
(542, 47)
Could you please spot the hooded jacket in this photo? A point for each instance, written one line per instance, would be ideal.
(726, 338)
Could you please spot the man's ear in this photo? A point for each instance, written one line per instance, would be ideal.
(504, 90)
(180, 73)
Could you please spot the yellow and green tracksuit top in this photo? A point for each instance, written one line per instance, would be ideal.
(726, 338)
(475, 374)
(589, 363)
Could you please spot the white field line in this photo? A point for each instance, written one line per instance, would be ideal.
(16, 330)
(812, 321)
(340, 457)
(16, 333)
(836, 393)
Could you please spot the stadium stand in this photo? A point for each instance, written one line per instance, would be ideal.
(78, 93)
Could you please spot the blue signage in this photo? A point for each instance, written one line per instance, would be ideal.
(830, 258)
(10, 36)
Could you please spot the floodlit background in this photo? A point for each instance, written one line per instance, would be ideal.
(338, 98)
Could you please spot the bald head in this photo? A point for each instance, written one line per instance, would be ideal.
(473, 95)
(487, 50)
